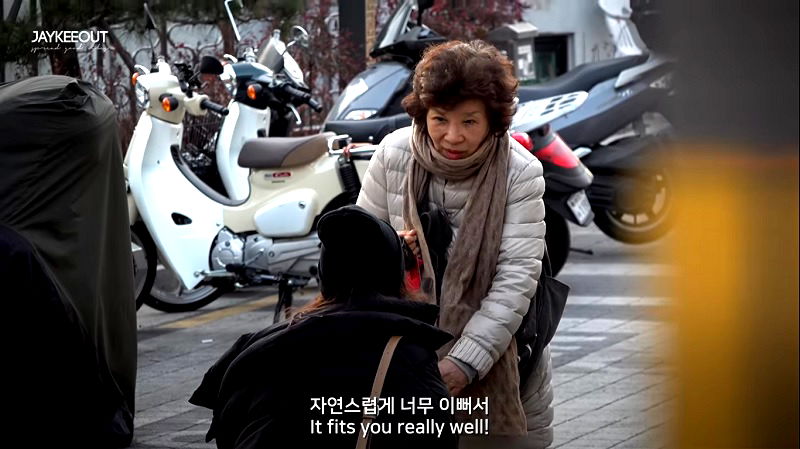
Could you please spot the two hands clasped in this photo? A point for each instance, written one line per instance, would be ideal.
(453, 376)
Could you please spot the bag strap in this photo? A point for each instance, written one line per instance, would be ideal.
(377, 386)
(547, 269)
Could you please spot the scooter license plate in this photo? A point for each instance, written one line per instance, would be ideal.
(579, 205)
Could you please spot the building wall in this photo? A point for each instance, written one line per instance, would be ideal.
(583, 20)
(372, 32)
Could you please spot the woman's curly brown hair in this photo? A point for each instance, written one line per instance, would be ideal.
(455, 71)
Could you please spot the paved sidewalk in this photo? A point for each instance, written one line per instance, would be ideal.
(610, 382)
(610, 379)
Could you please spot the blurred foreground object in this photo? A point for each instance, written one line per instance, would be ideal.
(736, 239)
(69, 328)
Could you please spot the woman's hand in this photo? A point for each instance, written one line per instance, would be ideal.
(410, 238)
(352, 146)
(453, 377)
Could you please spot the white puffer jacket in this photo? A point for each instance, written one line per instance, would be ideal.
(488, 333)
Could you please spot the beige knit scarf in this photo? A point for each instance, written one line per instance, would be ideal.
(473, 259)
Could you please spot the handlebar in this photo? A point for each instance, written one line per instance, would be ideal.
(302, 96)
(314, 105)
(297, 93)
(214, 107)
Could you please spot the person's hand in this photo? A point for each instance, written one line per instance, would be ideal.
(453, 377)
(410, 238)
(351, 146)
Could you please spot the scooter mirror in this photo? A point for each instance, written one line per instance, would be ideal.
(300, 36)
(230, 17)
(210, 65)
(150, 21)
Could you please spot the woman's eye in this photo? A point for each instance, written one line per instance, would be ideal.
(439, 119)
(469, 122)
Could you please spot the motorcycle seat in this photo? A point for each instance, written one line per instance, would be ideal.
(371, 130)
(282, 152)
(583, 77)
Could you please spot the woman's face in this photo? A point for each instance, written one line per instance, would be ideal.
(458, 132)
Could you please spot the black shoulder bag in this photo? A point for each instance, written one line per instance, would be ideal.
(541, 321)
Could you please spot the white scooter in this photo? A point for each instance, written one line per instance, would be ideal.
(206, 238)
(273, 84)
(265, 97)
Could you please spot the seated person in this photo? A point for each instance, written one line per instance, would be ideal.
(263, 389)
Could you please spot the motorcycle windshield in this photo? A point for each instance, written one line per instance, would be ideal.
(291, 68)
(395, 27)
(370, 90)
(275, 57)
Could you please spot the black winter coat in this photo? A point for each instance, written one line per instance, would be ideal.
(262, 389)
(56, 387)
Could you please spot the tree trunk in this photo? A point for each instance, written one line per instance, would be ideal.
(228, 36)
(162, 36)
(127, 59)
(64, 61)
(100, 70)
(12, 14)
(112, 37)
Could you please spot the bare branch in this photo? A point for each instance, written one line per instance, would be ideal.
(12, 14)
(126, 57)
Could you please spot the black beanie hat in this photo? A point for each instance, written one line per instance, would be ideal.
(358, 252)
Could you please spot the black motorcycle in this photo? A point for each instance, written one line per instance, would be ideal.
(630, 195)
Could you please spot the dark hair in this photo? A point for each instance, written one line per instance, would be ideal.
(455, 71)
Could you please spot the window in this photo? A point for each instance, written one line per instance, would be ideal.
(552, 52)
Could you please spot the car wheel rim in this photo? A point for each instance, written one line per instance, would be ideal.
(652, 215)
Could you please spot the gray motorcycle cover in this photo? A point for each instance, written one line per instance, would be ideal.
(69, 328)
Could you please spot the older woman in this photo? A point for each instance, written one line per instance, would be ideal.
(458, 157)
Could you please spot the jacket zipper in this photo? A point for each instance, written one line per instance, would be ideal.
(444, 190)
(444, 208)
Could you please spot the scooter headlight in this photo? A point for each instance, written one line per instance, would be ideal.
(142, 96)
(360, 114)
(230, 85)
(228, 78)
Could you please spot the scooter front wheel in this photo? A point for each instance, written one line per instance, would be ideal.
(169, 295)
(143, 252)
